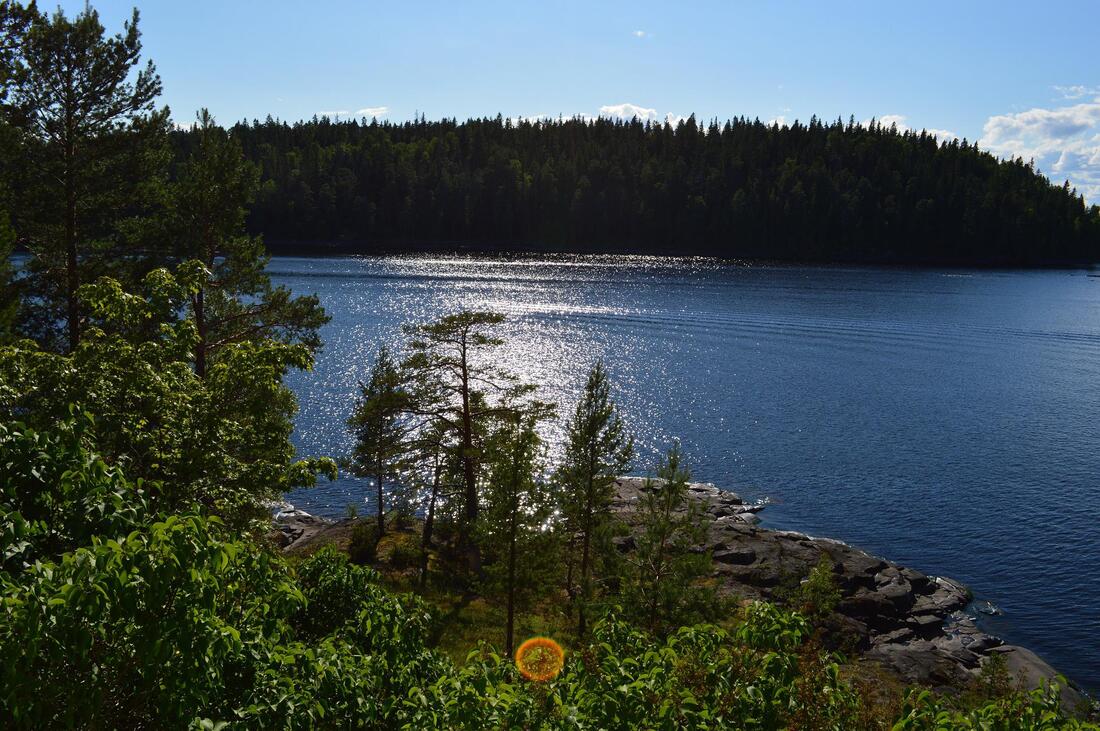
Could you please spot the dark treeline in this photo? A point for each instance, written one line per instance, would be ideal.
(818, 192)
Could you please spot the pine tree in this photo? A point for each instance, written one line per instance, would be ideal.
(93, 150)
(13, 21)
(381, 429)
(454, 386)
(663, 587)
(431, 478)
(9, 301)
(598, 450)
(518, 504)
(237, 302)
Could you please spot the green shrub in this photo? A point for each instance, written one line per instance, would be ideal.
(818, 594)
(1038, 710)
(363, 544)
(405, 555)
(55, 494)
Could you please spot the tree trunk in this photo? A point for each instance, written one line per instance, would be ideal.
(570, 563)
(510, 632)
(200, 327)
(429, 525)
(586, 542)
(381, 507)
(469, 474)
(72, 261)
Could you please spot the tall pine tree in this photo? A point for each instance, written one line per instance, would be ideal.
(518, 505)
(237, 303)
(456, 387)
(93, 150)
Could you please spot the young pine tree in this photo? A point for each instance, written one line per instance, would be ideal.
(663, 587)
(518, 505)
(598, 450)
(380, 429)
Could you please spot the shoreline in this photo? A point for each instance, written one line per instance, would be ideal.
(922, 628)
(344, 250)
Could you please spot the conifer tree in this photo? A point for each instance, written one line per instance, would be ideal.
(13, 21)
(453, 385)
(597, 451)
(431, 477)
(93, 150)
(518, 505)
(663, 586)
(237, 302)
(381, 431)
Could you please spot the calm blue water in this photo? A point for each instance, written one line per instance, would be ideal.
(947, 420)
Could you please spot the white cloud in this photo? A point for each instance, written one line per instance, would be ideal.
(640, 34)
(1064, 142)
(336, 113)
(781, 120)
(533, 118)
(628, 111)
(370, 112)
(1078, 91)
(887, 120)
(943, 135)
(902, 123)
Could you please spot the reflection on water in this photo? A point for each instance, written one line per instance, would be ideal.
(948, 420)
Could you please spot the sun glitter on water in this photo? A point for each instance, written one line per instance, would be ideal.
(540, 659)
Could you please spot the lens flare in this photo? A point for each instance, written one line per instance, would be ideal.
(540, 659)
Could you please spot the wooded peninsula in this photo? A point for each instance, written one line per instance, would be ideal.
(743, 189)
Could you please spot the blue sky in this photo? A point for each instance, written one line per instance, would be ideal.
(1022, 78)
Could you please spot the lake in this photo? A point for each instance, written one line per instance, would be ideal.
(947, 420)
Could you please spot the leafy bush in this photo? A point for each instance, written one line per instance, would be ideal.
(173, 624)
(1038, 710)
(405, 554)
(818, 595)
(699, 677)
(363, 544)
(57, 495)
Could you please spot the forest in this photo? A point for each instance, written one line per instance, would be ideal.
(145, 429)
(810, 192)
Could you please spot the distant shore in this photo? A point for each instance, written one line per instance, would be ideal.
(483, 248)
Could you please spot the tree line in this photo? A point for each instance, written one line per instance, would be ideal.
(818, 191)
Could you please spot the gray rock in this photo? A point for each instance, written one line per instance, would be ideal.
(897, 613)
(741, 557)
(1030, 670)
(921, 661)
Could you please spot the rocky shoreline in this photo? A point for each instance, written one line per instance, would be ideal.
(918, 626)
